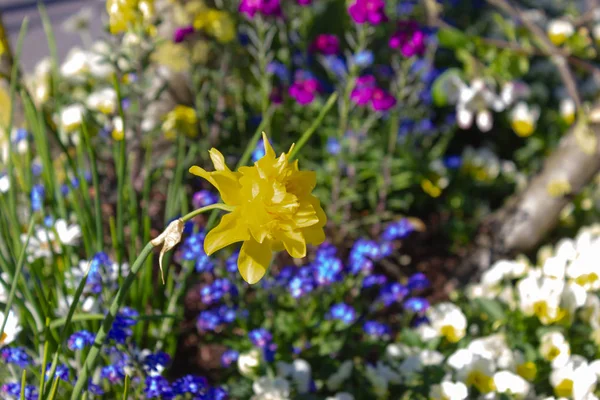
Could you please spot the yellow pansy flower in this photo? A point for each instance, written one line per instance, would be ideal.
(272, 209)
(123, 13)
(182, 119)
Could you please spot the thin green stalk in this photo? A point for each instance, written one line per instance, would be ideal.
(54, 389)
(47, 24)
(126, 388)
(44, 362)
(316, 123)
(96, 185)
(90, 361)
(15, 282)
(120, 159)
(23, 384)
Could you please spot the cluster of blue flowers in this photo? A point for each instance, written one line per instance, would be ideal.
(16, 356)
(14, 391)
(121, 328)
(193, 250)
(197, 386)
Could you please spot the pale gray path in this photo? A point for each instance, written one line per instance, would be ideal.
(35, 46)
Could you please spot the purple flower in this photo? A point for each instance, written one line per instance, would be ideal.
(157, 387)
(376, 329)
(374, 280)
(264, 7)
(304, 2)
(418, 281)
(260, 337)
(304, 90)
(326, 44)
(79, 340)
(409, 39)
(363, 90)
(15, 355)
(204, 198)
(182, 32)
(417, 305)
(229, 357)
(190, 384)
(398, 230)
(342, 312)
(382, 100)
(393, 292)
(371, 11)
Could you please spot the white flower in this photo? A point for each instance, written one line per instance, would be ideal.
(336, 380)
(493, 347)
(341, 396)
(573, 297)
(449, 391)
(555, 267)
(523, 119)
(78, 22)
(559, 31)
(248, 362)
(447, 320)
(575, 380)
(475, 101)
(510, 383)
(416, 362)
(555, 348)
(567, 110)
(271, 389)
(473, 369)
(4, 183)
(76, 64)
(99, 67)
(299, 371)
(11, 330)
(71, 117)
(103, 100)
(67, 234)
(399, 350)
(541, 296)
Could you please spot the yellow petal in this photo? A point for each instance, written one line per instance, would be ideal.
(294, 243)
(269, 152)
(229, 230)
(218, 160)
(301, 182)
(314, 235)
(254, 260)
(201, 172)
(228, 187)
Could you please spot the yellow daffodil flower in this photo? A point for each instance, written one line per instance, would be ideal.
(272, 209)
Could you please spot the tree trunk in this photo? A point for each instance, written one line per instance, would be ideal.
(524, 221)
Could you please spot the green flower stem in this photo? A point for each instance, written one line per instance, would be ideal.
(90, 361)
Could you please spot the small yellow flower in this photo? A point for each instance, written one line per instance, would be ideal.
(524, 119)
(124, 13)
(218, 24)
(272, 209)
(431, 188)
(559, 31)
(182, 119)
(527, 370)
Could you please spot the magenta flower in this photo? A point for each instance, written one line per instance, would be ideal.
(182, 32)
(326, 44)
(371, 11)
(304, 89)
(382, 100)
(363, 90)
(305, 2)
(409, 39)
(264, 7)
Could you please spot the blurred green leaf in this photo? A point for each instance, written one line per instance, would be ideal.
(452, 38)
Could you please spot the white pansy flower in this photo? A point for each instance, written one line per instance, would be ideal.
(555, 267)
(541, 296)
(11, 330)
(103, 100)
(523, 119)
(336, 380)
(559, 31)
(448, 390)
(76, 64)
(567, 110)
(493, 347)
(573, 297)
(555, 348)
(473, 369)
(575, 380)
(267, 388)
(71, 117)
(447, 320)
(248, 362)
(512, 384)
